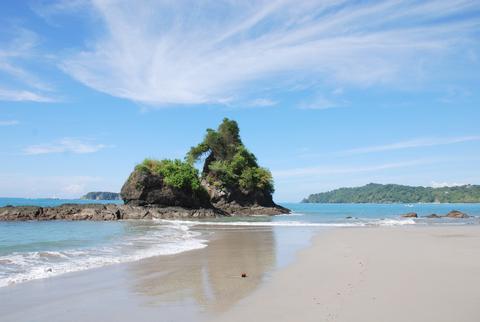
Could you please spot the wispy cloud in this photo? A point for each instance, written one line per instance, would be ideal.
(205, 51)
(38, 186)
(23, 96)
(9, 122)
(23, 84)
(330, 170)
(262, 102)
(446, 184)
(64, 145)
(415, 143)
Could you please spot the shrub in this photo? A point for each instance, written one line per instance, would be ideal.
(175, 173)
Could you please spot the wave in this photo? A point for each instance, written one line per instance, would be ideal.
(168, 239)
(372, 223)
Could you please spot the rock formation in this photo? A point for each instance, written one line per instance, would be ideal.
(144, 187)
(231, 175)
(231, 183)
(457, 214)
(410, 215)
(102, 212)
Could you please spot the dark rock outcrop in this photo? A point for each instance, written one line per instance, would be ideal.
(238, 202)
(433, 216)
(102, 212)
(410, 215)
(146, 189)
(456, 214)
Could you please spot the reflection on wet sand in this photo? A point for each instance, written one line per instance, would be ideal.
(211, 277)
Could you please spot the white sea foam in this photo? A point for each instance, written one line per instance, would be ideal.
(375, 222)
(165, 240)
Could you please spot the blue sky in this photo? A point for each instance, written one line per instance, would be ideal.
(327, 93)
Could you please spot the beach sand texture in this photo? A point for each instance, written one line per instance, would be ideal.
(349, 274)
(379, 274)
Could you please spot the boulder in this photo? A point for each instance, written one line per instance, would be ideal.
(410, 215)
(433, 216)
(456, 214)
(143, 188)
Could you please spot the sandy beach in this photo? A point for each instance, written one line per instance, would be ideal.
(377, 274)
(348, 274)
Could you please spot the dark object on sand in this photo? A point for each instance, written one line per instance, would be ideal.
(244, 275)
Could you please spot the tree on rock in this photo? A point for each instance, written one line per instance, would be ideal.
(231, 172)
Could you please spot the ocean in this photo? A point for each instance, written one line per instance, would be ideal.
(34, 250)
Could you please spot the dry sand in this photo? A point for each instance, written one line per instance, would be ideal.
(375, 274)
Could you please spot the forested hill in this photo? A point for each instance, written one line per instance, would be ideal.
(394, 193)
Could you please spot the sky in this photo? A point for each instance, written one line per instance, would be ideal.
(326, 93)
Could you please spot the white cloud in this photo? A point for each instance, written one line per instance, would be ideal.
(330, 170)
(9, 123)
(262, 102)
(446, 184)
(319, 103)
(183, 52)
(64, 145)
(33, 186)
(415, 143)
(13, 55)
(23, 96)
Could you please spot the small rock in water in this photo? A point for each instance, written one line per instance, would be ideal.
(410, 215)
(457, 214)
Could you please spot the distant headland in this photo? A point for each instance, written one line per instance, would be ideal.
(394, 193)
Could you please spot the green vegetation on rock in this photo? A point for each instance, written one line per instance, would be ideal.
(228, 163)
(175, 173)
(393, 193)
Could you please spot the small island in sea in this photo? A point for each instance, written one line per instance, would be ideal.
(231, 183)
(394, 193)
(101, 195)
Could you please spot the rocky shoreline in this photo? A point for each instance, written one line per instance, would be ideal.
(98, 212)
(110, 212)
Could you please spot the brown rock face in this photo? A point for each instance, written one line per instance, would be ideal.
(143, 188)
(457, 214)
(410, 215)
(237, 202)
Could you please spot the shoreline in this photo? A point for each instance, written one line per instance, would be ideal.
(409, 273)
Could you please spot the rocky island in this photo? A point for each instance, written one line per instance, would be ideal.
(231, 183)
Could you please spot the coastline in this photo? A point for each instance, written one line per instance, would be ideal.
(194, 285)
(410, 273)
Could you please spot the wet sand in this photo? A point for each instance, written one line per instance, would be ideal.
(192, 286)
(375, 274)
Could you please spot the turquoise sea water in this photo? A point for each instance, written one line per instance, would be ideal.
(32, 250)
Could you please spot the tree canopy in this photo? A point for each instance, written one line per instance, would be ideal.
(393, 193)
(228, 162)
